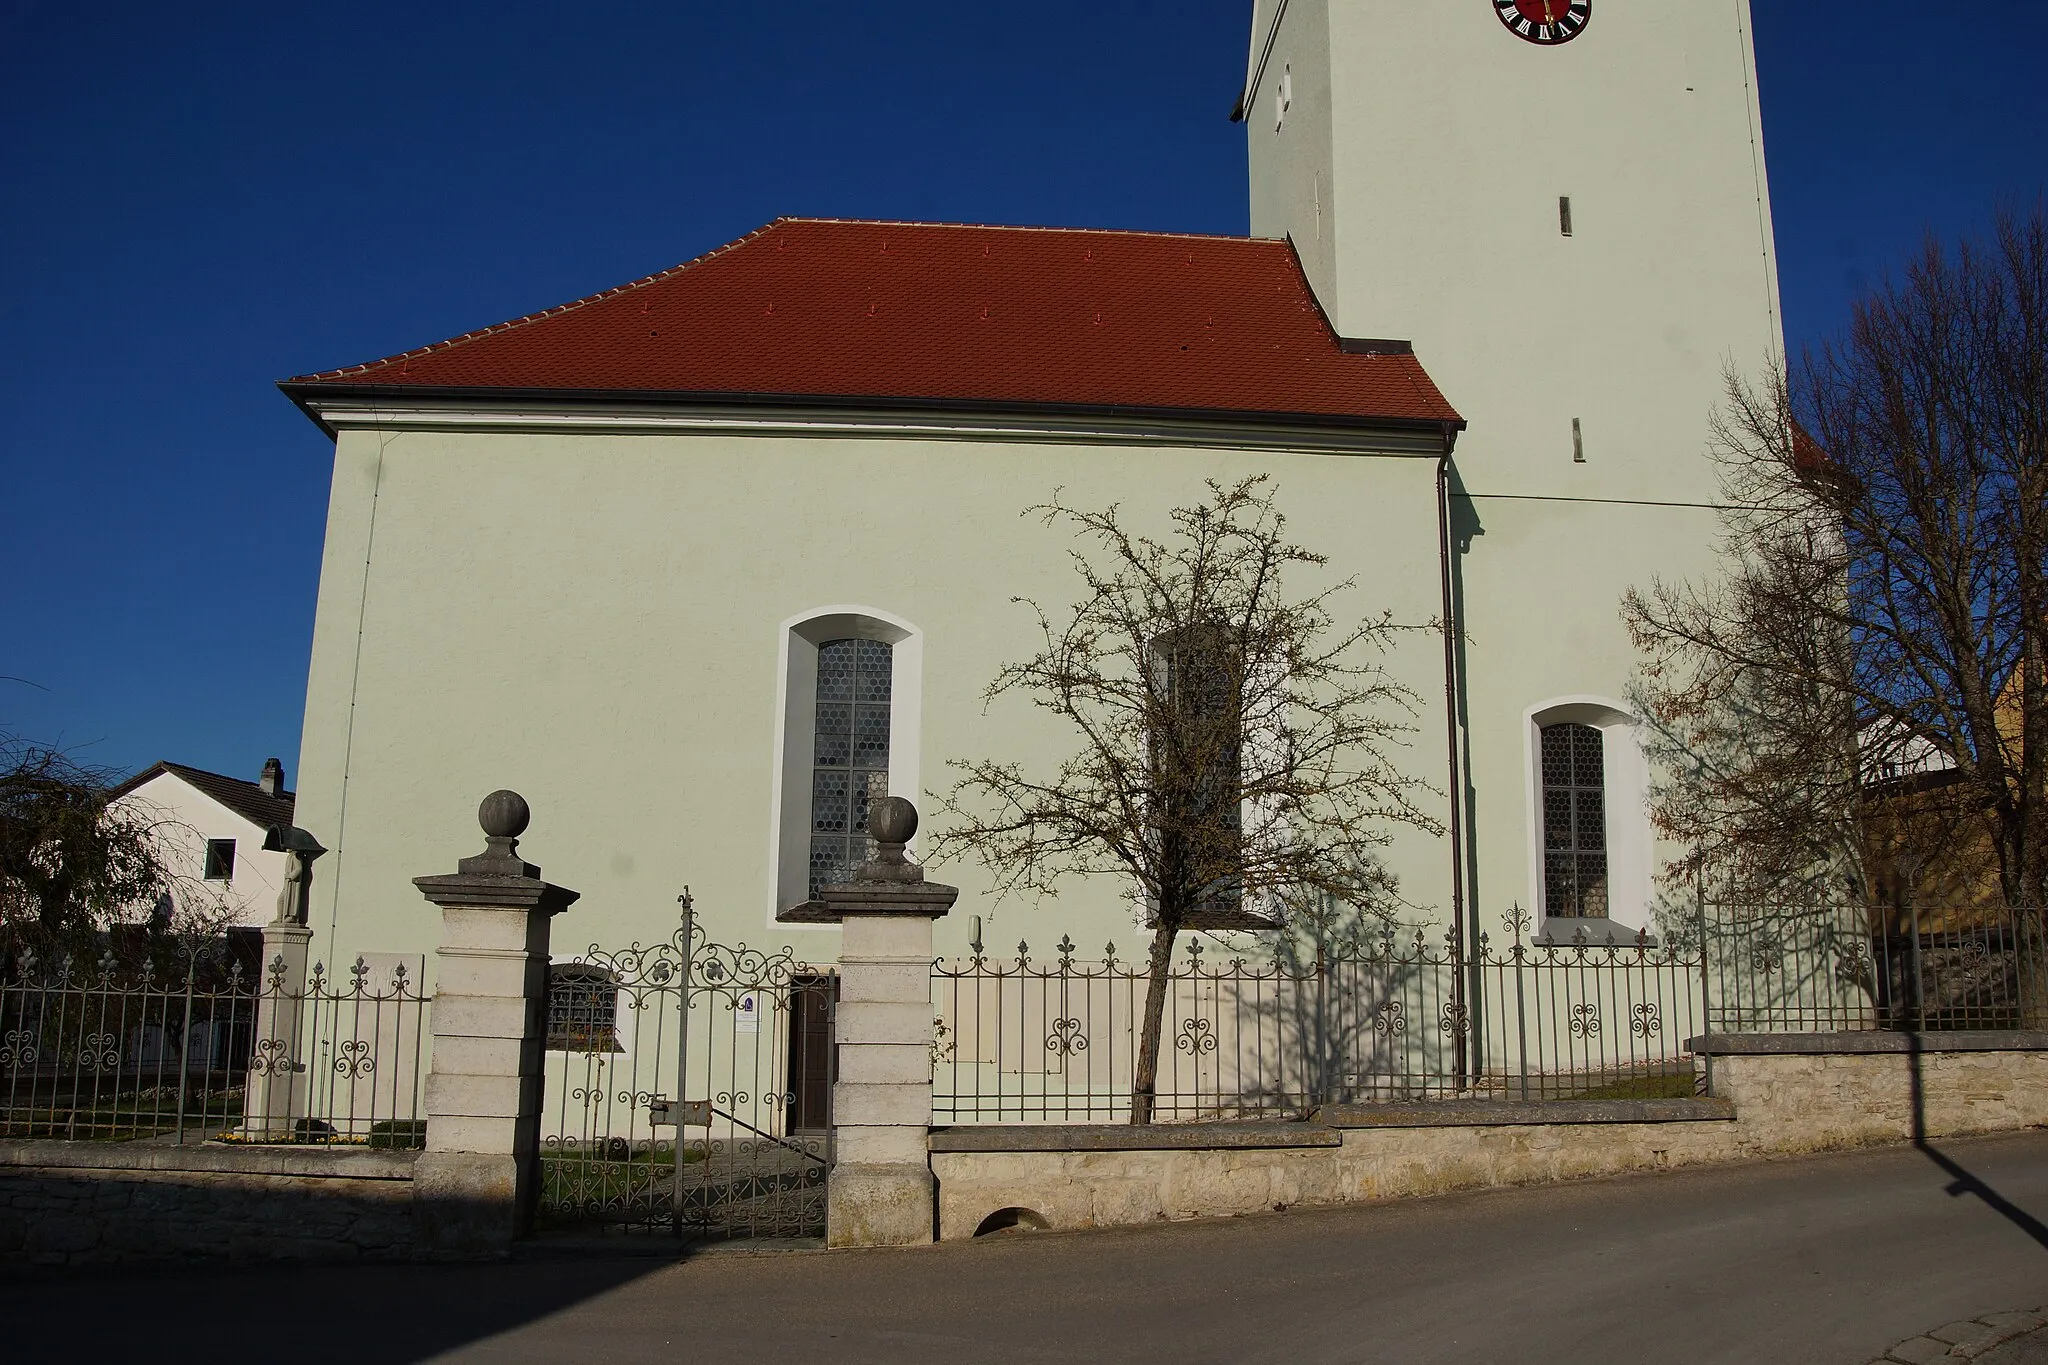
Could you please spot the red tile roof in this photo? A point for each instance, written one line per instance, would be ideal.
(817, 309)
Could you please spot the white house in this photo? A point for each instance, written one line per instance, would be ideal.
(213, 827)
(694, 562)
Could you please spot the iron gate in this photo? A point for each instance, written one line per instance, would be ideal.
(688, 1090)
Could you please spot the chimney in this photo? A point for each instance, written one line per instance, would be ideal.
(272, 781)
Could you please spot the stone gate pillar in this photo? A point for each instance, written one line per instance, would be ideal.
(879, 1192)
(475, 1186)
(274, 1092)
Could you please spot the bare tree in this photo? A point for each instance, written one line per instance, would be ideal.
(73, 862)
(1882, 611)
(1234, 742)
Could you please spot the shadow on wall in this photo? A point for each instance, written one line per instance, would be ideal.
(1465, 528)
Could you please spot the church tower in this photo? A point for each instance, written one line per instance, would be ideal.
(1561, 204)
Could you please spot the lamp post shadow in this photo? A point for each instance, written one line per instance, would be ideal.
(1962, 1181)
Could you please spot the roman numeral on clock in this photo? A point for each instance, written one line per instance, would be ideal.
(1544, 22)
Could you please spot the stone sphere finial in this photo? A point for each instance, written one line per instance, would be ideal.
(504, 814)
(892, 820)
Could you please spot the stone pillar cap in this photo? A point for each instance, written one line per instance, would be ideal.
(886, 884)
(498, 876)
(842, 899)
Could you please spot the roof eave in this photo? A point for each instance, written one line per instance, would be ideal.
(297, 391)
(303, 394)
(154, 770)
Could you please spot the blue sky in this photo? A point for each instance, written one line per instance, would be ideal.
(195, 203)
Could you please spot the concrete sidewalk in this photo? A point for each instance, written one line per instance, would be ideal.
(1826, 1259)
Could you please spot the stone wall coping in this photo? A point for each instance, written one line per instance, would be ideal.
(341, 1163)
(1124, 1137)
(1867, 1041)
(1503, 1113)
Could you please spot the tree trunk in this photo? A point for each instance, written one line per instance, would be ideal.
(1145, 1087)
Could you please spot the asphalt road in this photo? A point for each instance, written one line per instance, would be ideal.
(1828, 1259)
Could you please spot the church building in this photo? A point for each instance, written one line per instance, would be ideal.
(699, 563)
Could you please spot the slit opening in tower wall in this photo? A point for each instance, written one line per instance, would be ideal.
(1564, 215)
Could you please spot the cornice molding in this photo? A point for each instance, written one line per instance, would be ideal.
(359, 413)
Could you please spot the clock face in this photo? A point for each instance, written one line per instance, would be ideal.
(1545, 21)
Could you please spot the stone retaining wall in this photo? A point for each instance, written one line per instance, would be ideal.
(78, 1203)
(1768, 1101)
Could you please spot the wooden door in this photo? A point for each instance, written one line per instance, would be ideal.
(811, 1001)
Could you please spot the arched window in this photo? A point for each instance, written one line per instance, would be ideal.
(850, 764)
(1574, 822)
(847, 734)
(1590, 843)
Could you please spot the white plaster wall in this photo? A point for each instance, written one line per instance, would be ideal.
(1541, 607)
(186, 818)
(597, 622)
(1450, 141)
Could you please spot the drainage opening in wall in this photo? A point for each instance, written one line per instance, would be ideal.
(1012, 1220)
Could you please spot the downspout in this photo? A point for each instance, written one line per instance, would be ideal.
(1457, 788)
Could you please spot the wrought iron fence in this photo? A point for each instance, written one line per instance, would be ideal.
(1777, 969)
(688, 1091)
(201, 1048)
(1403, 1015)
(1399, 1015)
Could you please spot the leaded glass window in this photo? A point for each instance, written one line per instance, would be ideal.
(1574, 822)
(1197, 763)
(851, 765)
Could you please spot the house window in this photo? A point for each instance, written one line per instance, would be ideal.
(1197, 760)
(850, 763)
(220, 860)
(1574, 822)
(583, 1009)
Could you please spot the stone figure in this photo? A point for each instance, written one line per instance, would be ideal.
(293, 898)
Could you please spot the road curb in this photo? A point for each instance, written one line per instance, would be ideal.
(1964, 1340)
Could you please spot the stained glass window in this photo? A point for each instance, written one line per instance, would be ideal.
(851, 763)
(1197, 760)
(1574, 822)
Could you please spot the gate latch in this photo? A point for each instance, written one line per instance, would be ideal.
(663, 1112)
